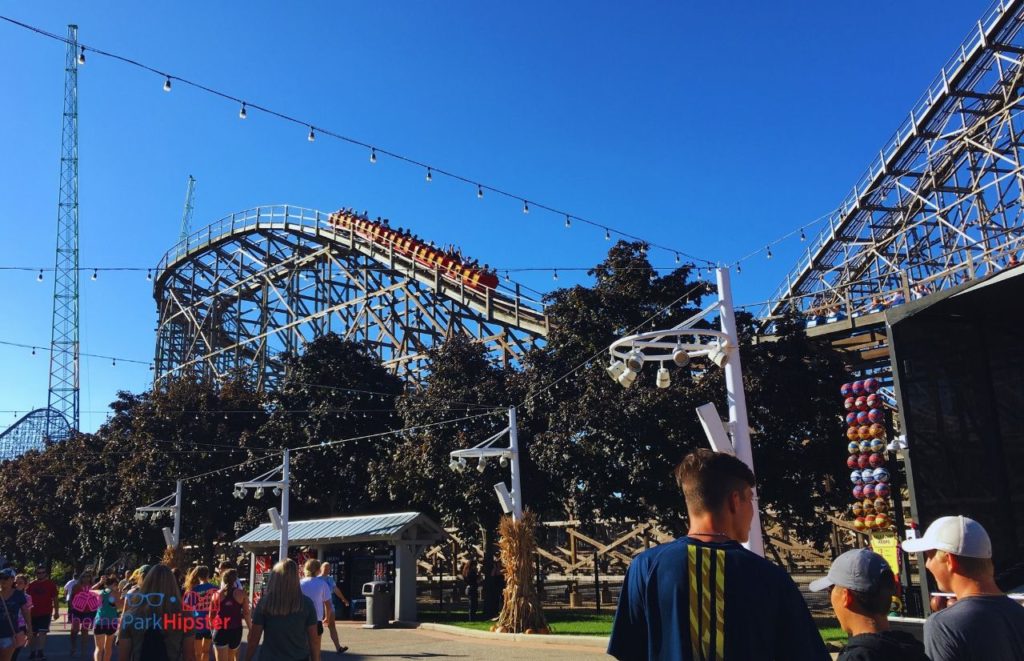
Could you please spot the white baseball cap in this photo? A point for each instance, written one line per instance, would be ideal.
(958, 535)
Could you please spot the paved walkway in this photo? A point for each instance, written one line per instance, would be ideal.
(393, 643)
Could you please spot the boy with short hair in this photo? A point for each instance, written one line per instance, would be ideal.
(862, 586)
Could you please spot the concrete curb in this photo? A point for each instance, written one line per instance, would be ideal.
(546, 639)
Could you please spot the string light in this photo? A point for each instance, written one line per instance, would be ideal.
(803, 237)
(40, 276)
(149, 274)
(312, 136)
(241, 112)
(554, 274)
(479, 192)
(373, 155)
(95, 274)
(568, 221)
(677, 258)
(607, 234)
(430, 177)
(526, 207)
(167, 84)
(81, 56)
(768, 252)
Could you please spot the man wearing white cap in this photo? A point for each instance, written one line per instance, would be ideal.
(983, 623)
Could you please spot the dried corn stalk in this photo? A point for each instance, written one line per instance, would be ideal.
(522, 610)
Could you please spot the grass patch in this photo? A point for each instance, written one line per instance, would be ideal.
(563, 622)
(832, 634)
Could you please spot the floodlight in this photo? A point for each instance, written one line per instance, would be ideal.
(663, 380)
(635, 360)
(503, 461)
(454, 464)
(462, 464)
(277, 491)
(680, 357)
(627, 378)
(616, 369)
(717, 354)
(140, 516)
(259, 493)
(482, 464)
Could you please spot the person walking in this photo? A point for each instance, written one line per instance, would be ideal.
(229, 608)
(471, 577)
(314, 587)
(198, 592)
(862, 586)
(338, 600)
(105, 626)
(81, 608)
(20, 583)
(13, 602)
(983, 623)
(45, 609)
(152, 627)
(704, 597)
(287, 617)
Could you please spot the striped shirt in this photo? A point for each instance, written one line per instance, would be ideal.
(701, 601)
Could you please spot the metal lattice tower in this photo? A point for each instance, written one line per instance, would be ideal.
(942, 202)
(186, 215)
(264, 282)
(64, 387)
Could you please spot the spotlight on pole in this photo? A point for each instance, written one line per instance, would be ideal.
(616, 369)
(680, 357)
(663, 380)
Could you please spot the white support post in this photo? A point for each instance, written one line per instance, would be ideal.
(176, 532)
(517, 487)
(286, 480)
(738, 422)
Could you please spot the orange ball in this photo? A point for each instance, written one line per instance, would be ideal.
(858, 523)
(876, 431)
(864, 432)
(853, 433)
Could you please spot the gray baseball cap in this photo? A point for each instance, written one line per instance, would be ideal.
(859, 569)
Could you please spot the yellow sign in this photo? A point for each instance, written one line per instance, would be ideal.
(886, 544)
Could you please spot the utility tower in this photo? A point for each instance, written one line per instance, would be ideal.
(186, 216)
(63, 396)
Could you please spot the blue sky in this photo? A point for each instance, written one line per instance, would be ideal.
(710, 127)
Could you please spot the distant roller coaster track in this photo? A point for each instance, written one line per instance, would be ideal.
(259, 284)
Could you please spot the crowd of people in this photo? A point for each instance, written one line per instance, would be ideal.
(705, 597)
(154, 613)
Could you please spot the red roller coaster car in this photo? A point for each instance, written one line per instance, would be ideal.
(450, 268)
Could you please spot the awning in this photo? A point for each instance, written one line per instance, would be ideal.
(406, 527)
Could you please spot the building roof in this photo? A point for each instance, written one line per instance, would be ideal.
(391, 528)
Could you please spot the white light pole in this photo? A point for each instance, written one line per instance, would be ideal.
(506, 457)
(280, 486)
(681, 343)
(172, 504)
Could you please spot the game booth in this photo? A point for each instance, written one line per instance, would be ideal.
(361, 549)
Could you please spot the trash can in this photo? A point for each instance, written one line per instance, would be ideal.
(378, 603)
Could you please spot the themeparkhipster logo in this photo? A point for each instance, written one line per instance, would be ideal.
(187, 620)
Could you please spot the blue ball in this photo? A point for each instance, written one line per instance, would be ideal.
(880, 475)
(855, 477)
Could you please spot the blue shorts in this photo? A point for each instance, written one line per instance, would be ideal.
(6, 642)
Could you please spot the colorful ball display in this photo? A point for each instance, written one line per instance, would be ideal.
(875, 445)
(869, 521)
(857, 387)
(868, 506)
(868, 491)
(853, 447)
(853, 461)
(863, 460)
(880, 504)
(875, 460)
(881, 490)
(853, 433)
(875, 431)
(865, 447)
(851, 419)
(856, 478)
(861, 403)
(858, 492)
(881, 521)
(864, 432)
(871, 385)
(846, 389)
(857, 508)
(873, 402)
(849, 403)
(858, 523)
(874, 415)
(863, 418)
(867, 477)
(880, 475)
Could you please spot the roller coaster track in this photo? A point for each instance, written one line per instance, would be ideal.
(942, 202)
(264, 282)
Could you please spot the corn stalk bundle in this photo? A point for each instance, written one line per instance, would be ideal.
(521, 612)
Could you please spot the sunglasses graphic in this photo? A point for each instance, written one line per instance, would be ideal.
(154, 599)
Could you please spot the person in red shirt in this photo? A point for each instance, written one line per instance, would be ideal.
(45, 606)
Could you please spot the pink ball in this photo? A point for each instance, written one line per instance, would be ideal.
(845, 390)
(869, 491)
(858, 492)
(876, 460)
(874, 402)
(871, 385)
(857, 387)
(849, 403)
(862, 461)
(874, 415)
(853, 461)
(882, 490)
(861, 403)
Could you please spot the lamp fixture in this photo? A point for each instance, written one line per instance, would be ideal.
(241, 111)
(167, 84)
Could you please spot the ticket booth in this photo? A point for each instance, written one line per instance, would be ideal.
(380, 547)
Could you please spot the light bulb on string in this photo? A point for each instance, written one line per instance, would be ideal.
(241, 112)
(33, 351)
(94, 274)
(149, 274)
(81, 56)
(607, 234)
(739, 269)
(430, 176)
(526, 207)
(803, 237)
(479, 192)
(113, 362)
(768, 252)
(568, 221)
(373, 155)
(312, 135)
(677, 258)
(554, 274)
(167, 84)
(40, 276)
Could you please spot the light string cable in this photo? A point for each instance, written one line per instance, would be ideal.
(375, 151)
(632, 330)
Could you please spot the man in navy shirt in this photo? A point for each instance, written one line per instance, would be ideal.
(704, 597)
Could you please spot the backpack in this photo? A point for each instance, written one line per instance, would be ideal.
(153, 647)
